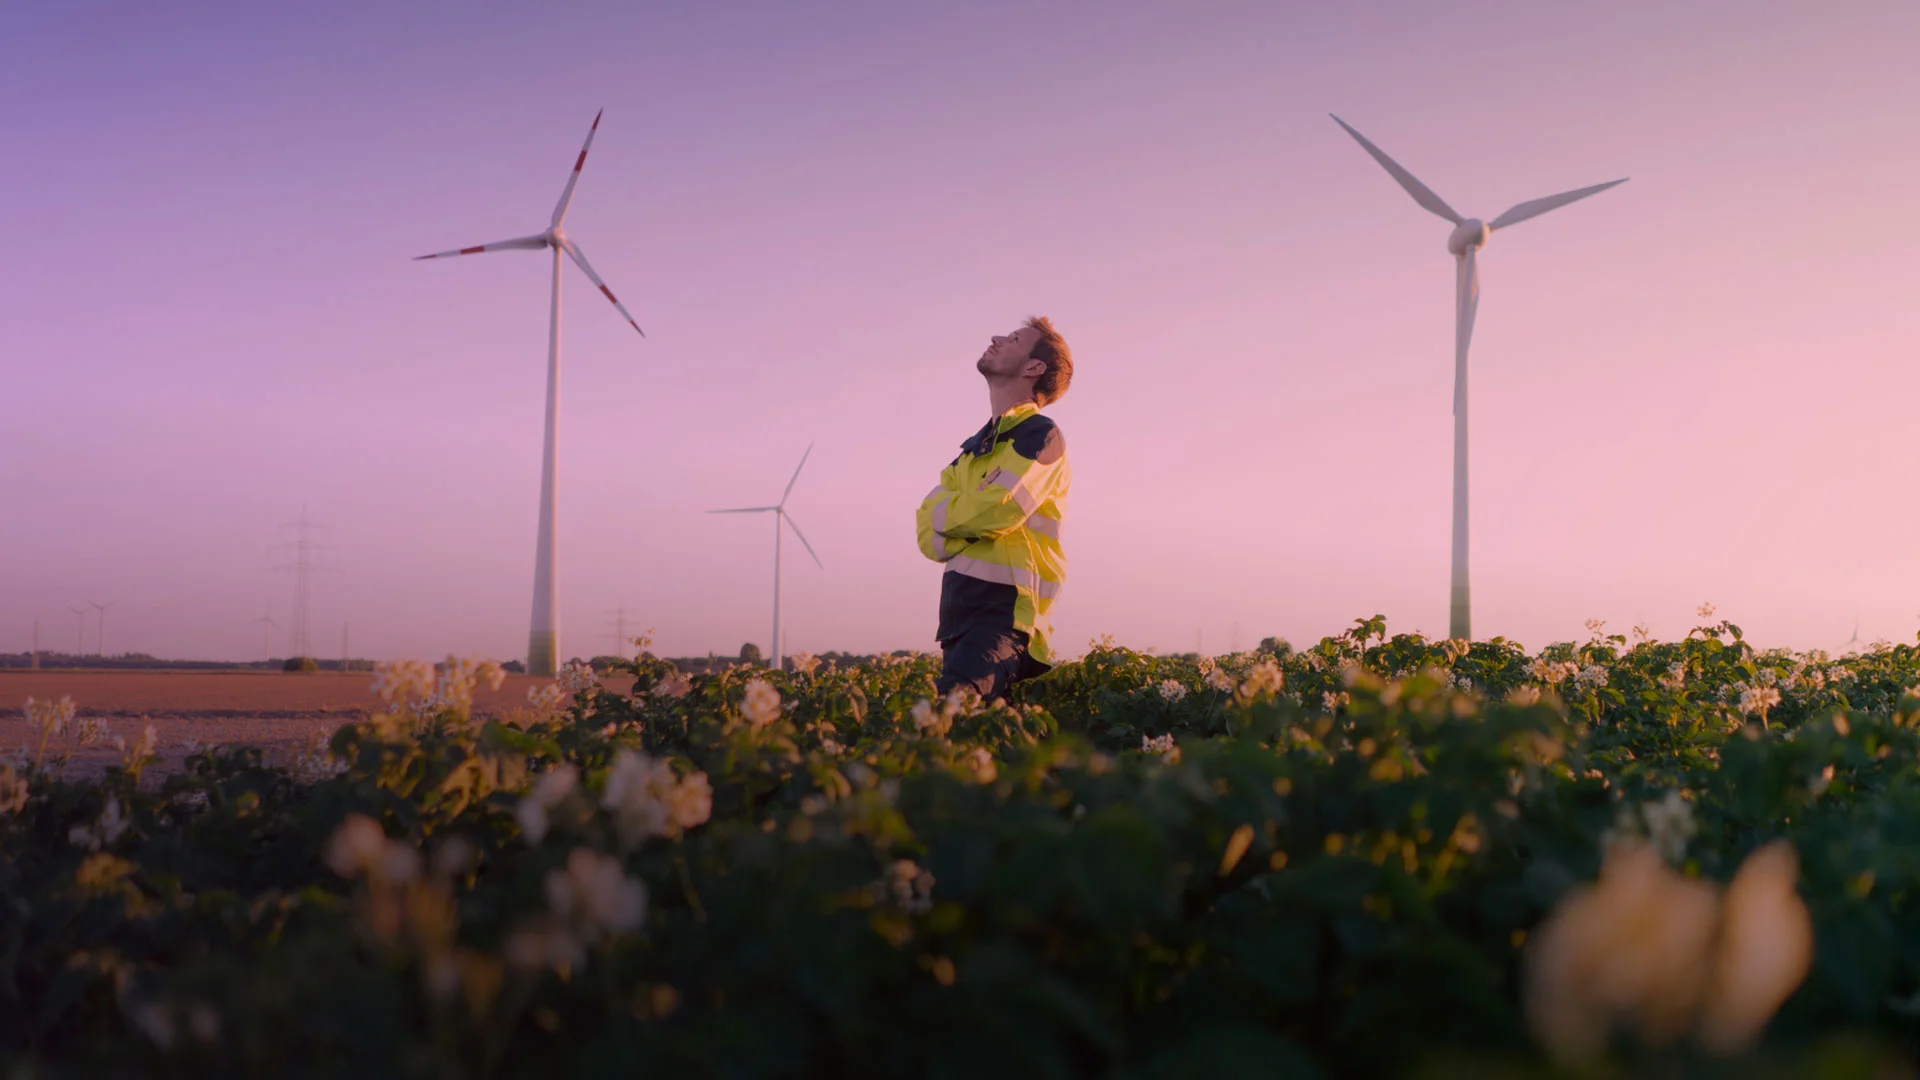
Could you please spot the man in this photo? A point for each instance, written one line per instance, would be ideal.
(994, 521)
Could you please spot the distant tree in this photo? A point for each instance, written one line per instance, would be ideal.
(604, 664)
(305, 665)
(514, 666)
(750, 654)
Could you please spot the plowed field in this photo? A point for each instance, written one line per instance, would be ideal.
(279, 712)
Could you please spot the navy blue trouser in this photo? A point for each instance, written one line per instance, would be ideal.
(989, 659)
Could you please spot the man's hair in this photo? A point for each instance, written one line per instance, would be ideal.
(1052, 350)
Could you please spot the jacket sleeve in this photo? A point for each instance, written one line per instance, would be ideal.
(933, 545)
(1023, 472)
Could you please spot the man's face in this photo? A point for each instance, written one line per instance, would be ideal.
(1011, 354)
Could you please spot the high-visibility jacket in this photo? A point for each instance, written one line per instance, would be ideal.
(994, 521)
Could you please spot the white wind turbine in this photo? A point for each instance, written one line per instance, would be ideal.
(267, 627)
(543, 641)
(1469, 236)
(780, 515)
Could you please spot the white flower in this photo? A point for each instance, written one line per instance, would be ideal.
(1758, 699)
(1652, 950)
(1218, 679)
(674, 686)
(935, 721)
(92, 729)
(831, 745)
(981, 765)
(1171, 690)
(577, 678)
(1629, 950)
(547, 700)
(907, 886)
(804, 663)
(1163, 745)
(359, 847)
(1524, 695)
(316, 762)
(1263, 680)
(1670, 825)
(1332, 701)
(49, 717)
(761, 706)
(102, 833)
(647, 799)
(1766, 947)
(1676, 676)
(403, 684)
(1591, 676)
(594, 895)
(547, 792)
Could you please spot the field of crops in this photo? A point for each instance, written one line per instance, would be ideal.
(1375, 856)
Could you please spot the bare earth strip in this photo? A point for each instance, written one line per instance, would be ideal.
(281, 713)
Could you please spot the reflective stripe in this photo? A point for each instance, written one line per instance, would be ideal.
(1016, 486)
(1044, 525)
(1004, 575)
(940, 518)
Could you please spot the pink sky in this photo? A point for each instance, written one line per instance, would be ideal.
(1685, 389)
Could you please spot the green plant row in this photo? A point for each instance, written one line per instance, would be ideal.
(1366, 858)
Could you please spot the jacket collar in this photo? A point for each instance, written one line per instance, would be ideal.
(981, 442)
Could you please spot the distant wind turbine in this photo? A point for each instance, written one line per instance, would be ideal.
(1853, 643)
(102, 609)
(780, 515)
(1469, 236)
(267, 627)
(543, 640)
(80, 641)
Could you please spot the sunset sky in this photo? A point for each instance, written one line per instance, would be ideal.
(1695, 387)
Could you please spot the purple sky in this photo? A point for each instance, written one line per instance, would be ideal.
(1689, 388)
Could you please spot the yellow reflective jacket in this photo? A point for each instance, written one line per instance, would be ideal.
(994, 521)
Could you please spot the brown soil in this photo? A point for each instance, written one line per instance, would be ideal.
(282, 713)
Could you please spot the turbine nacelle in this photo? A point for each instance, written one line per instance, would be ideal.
(1469, 234)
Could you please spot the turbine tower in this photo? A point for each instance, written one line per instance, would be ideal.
(543, 640)
(1469, 236)
(780, 515)
(80, 639)
(267, 626)
(102, 609)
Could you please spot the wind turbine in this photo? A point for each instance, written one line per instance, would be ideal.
(1469, 236)
(102, 609)
(780, 514)
(543, 640)
(80, 639)
(267, 627)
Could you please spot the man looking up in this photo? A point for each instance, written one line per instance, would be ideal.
(994, 521)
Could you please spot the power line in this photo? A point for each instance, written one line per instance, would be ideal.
(303, 568)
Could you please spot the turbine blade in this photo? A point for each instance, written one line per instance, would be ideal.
(788, 518)
(746, 510)
(519, 243)
(566, 197)
(1421, 193)
(796, 475)
(1536, 207)
(1466, 306)
(580, 259)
